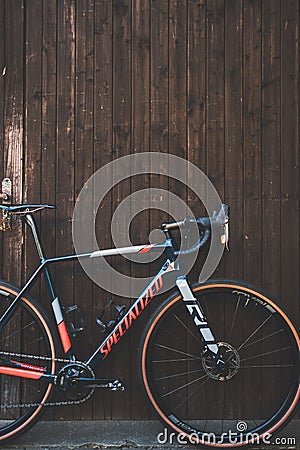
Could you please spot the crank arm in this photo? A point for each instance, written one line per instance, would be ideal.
(104, 383)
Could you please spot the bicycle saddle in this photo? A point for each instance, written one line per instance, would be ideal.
(25, 209)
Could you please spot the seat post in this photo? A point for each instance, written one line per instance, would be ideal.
(31, 222)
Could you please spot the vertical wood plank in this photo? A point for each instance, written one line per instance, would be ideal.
(140, 143)
(159, 87)
(32, 126)
(196, 73)
(159, 114)
(65, 153)
(14, 133)
(290, 153)
(252, 141)
(271, 100)
(2, 90)
(178, 93)
(48, 142)
(215, 94)
(196, 88)
(103, 87)
(84, 137)
(122, 113)
(13, 144)
(234, 132)
(252, 159)
(48, 126)
(215, 108)
(32, 143)
(234, 158)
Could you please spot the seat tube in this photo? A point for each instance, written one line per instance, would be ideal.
(197, 314)
(30, 221)
(55, 303)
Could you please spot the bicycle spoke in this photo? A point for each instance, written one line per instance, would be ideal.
(234, 315)
(263, 338)
(179, 374)
(188, 330)
(177, 351)
(265, 354)
(30, 343)
(267, 366)
(16, 332)
(190, 395)
(172, 360)
(255, 331)
(184, 385)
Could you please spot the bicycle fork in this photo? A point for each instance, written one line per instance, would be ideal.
(199, 319)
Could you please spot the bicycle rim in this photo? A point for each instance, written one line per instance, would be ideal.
(261, 387)
(25, 339)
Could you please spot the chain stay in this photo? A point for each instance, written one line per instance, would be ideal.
(44, 358)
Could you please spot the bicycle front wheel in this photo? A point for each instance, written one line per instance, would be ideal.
(250, 400)
(25, 341)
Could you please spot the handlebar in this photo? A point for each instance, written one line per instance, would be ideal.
(204, 223)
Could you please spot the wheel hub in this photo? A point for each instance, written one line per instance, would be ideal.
(230, 359)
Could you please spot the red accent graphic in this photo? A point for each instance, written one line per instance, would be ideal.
(65, 339)
(4, 370)
(29, 366)
(131, 316)
(147, 248)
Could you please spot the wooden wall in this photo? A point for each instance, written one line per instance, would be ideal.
(84, 82)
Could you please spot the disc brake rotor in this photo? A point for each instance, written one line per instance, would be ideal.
(231, 359)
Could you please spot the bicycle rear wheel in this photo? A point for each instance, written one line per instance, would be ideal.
(259, 390)
(25, 339)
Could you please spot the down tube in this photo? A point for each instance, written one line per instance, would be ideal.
(136, 309)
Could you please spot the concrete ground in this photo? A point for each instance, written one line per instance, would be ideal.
(113, 435)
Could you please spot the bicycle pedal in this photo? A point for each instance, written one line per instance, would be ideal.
(74, 319)
(117, 386)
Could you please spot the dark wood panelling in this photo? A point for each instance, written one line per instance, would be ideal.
(213, 81)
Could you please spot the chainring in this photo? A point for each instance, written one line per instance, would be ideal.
(68, 381)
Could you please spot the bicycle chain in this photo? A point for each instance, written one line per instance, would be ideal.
(45, 358)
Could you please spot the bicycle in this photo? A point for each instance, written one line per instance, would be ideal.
(201, 349)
